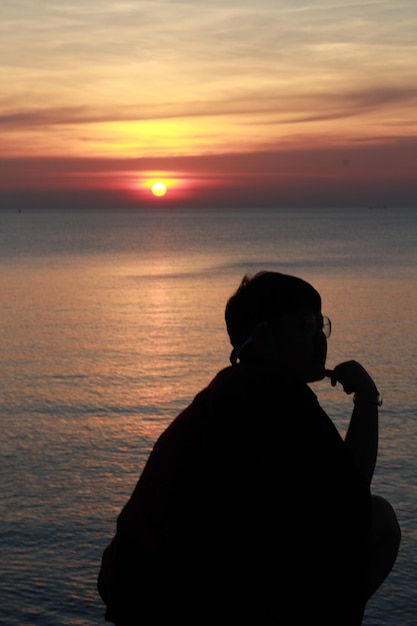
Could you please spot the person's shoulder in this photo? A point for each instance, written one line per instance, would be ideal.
(239, 392)
(257, 378)
(233, 392)
(249, 386)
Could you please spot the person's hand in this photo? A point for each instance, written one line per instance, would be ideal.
(354, 378)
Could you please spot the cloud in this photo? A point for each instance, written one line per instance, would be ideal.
(164, 76)
(331, 106)
(304, 108)
(357, 174)
(116, 34)
(388, 153)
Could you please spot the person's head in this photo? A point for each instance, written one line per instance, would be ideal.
(276, 319)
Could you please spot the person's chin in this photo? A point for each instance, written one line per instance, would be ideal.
(316, 374)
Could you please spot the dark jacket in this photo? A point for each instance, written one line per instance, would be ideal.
(249, 510)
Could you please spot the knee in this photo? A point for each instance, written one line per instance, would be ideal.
(385, 527)
(385, 542)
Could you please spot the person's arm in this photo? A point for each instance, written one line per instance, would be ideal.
(362, 435)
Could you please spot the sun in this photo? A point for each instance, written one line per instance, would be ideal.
(160, 185)
(159, 188)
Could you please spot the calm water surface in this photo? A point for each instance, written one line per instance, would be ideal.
(112, 321)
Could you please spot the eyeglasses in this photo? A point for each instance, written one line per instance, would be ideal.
(327, 326)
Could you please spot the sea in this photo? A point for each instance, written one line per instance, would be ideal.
(112, 320)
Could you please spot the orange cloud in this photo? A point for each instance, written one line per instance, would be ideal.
(243, 99)
(359, 173)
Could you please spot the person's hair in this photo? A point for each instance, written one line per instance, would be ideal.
(265, 297)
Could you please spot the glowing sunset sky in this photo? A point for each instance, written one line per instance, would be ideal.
(228, 102)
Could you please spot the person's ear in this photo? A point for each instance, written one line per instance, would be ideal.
(263, 341)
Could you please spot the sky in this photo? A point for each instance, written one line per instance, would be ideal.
(228, 103)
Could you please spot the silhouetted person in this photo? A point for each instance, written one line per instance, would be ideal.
(251, 508)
